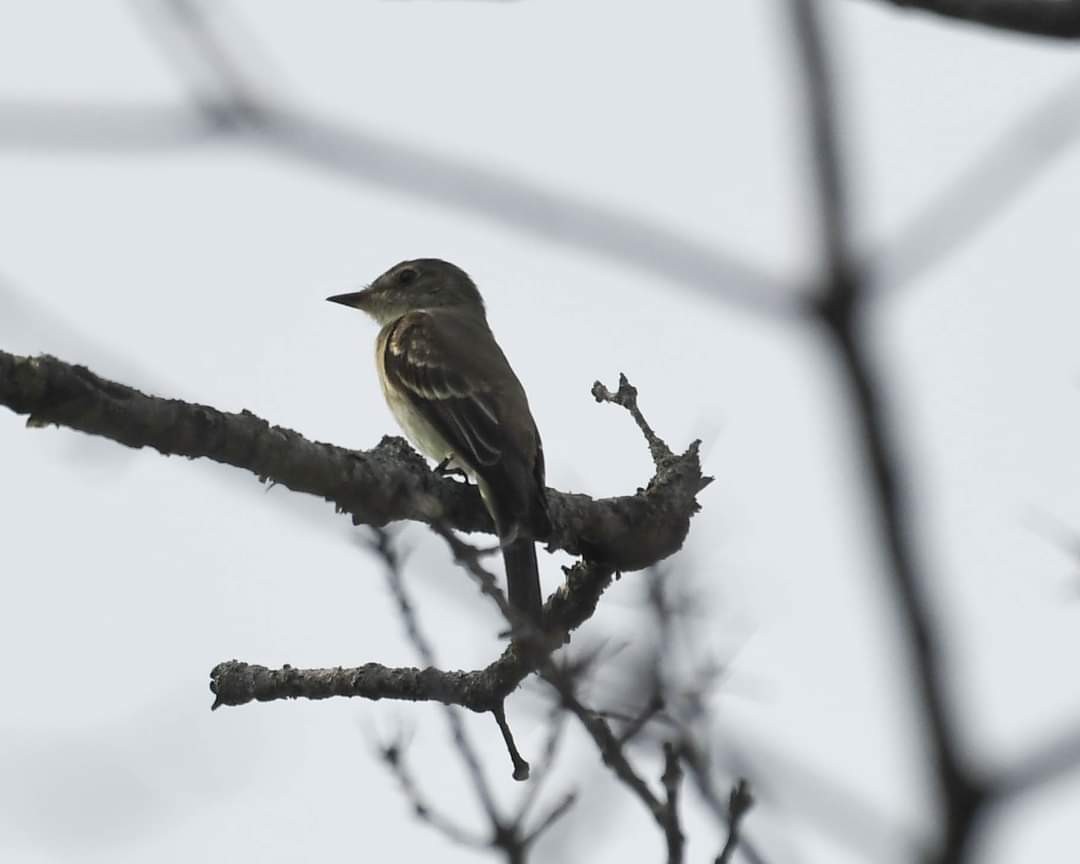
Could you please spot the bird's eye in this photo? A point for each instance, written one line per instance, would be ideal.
(406, 276)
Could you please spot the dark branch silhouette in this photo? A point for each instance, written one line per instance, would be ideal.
(1057, 18)
(842, 316)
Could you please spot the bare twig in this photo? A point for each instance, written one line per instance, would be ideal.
(551, 817)
(468, 558)
(672, 780)
(237, 683)
(221, 88)
(635, 724)
(366, 156)
(701, 774)
(557, 724)
(521, 767)
(610, 750)
(384, 548)
(626, 396)
(739, 803)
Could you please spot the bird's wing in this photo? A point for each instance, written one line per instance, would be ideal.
(424, 360)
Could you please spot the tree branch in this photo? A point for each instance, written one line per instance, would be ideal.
(1056, 18)
(480, 690)
(1054, 760)
(739, 803)
(672, 780)
(840, 312)
(387, 483)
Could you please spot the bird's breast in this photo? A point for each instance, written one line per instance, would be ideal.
(421, 434)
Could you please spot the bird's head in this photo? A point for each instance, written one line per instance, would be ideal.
(425, 283)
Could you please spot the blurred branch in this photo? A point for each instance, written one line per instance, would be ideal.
(377, 486)
(366, 156)
(672, 781)
(226, 96)
(481, 690)
(626, 396)
(840, 313)
(369, 157)
(508, 836)
(1057, 18)
(1051, 762)
(382, 546)
(394, 758)
(551, 817)
(982, 191)
(611, 751)
(739, 803)
(107, 128)
(664, 812)
(543, 769)
(702, 775)
(218, 83)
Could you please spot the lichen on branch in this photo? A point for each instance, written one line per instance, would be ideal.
(387, 483)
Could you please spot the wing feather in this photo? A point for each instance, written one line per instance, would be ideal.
(460, 406)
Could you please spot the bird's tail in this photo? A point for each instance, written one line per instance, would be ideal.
(523, 579)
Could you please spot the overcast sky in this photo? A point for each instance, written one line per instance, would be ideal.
(197, 269)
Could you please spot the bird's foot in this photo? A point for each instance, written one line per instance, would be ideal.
(443, 469)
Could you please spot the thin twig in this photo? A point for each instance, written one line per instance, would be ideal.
(672, 780)
(557, 724)
(701, 774)
(626, 396)
(635, 724)
(739, 803)
(1051, 762)
(553, 815)
(468, 557)
(369, 157)
(605, 740)
(394, 758)
(392, 565)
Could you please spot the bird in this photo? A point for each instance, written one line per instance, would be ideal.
(457, 399)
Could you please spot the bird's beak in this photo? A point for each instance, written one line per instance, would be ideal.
(355, 299)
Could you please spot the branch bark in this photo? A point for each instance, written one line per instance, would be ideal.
(480, 690)
(390, 482)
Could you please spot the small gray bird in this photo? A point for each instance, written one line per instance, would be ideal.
(455, 396)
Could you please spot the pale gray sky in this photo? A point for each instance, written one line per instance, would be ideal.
(198, 271)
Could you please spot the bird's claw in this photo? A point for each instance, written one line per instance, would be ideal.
(443, 469)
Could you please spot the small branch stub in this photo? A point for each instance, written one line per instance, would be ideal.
(626, 396)
(521, 767)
